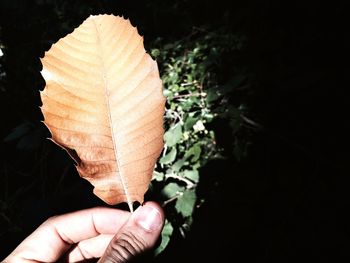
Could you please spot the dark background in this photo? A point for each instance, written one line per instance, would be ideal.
(285, 201)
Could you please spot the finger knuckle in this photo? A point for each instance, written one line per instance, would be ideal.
(126, 246)
(50, 220)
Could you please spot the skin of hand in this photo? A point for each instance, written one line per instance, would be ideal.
(109, 234)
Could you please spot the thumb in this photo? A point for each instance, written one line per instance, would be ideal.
(139, 234)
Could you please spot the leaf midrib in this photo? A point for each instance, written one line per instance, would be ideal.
(107, 95)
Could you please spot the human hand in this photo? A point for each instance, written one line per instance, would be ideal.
(109, 234)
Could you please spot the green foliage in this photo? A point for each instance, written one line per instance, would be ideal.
(173, 135)
(169, 157)
(172, 190)
(166, 234)
(191, 70)
(185, 203)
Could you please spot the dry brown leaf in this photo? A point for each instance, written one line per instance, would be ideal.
(103, 103)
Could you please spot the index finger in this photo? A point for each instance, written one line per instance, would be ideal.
(55, 236)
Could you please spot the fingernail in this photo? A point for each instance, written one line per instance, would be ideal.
(148, 218)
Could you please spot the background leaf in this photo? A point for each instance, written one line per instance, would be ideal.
(192, 175)
(173, 135)
(166, 234)
(169, 157)
(185, 203)
(172, 189)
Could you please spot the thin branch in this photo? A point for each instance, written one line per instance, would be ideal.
(251, 122)
(178, 116)
(202, 94)
(189, 183)
(175, 115)
(184, 96)
(189, 83)
(175, 197)
(164, 153)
